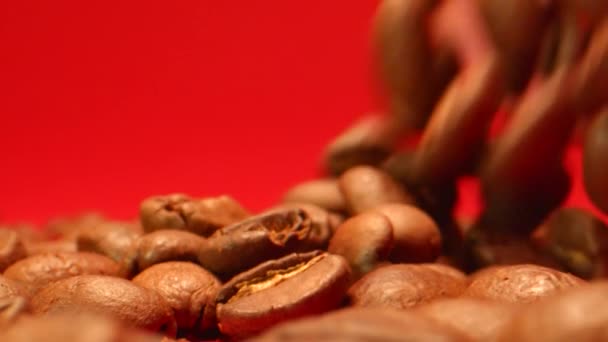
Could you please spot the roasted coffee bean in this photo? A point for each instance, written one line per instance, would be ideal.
(39, 270)
(578, 241)
(365, 187)
(51, 246)
(9, 288)
(243, 245)
(11, 309)
(404, 286)
(364, 241)
(481, 320)
(11, 248)
(112, 240)
(167, 245)
(519, 283)
(416, 237)
(81, 327)
(294, 286)
(595, 161)
(186, 287)
(367, 142)
(413, 74)
(323, 222)
(68, 228)
(118, 298)
(200, 216)
(324, 193)
(579, 314)
(363, 324)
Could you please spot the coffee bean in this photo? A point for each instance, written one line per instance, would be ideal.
(595, 161)
(404, 286)
(243, 245)
(39, 270)
(68, 228)
(324, 193)
(416, 237)
(519, 283)
(323, 222)
(364, 241)
(186, 287)
(577, 313)
(294, 286)
(179, 211)
(365, 187)
(118, 298)
(363, 324)
(51, 246)
(167, 245)
(9, 288)
(11, 248)
(481, 320)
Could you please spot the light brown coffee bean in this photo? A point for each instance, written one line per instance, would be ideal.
(481, 320)
(363, 324)
(324, 193)
(38, 271)
(186, 287)
(12, 248)
(68, 228)
(51, 246)
(364, 241)
(416, 237)
(365, 187)
(579, 314)
(595, 161)
(118, 298)
(9, 288)
(294, 286)
(404, 286)
(167, 245)
(519, 283)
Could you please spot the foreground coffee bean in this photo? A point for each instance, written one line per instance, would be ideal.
(11, 248)
(578, 241)
(200, 216)
(519, 283)
(113, 240)
(115, 297)
(416, 237)
(275, 291)
(186, 287)
(364, 241)
(167, 245)
(38, 271)
(243, 245)
(363, 324)
(365, 187)
(404, 286)
(579, 313)
(595, 161)
(82, 327)
(481, 320)
(324, 193)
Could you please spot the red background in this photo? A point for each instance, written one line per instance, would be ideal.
(106, 102)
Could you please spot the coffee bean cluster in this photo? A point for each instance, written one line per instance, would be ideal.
(372, 251)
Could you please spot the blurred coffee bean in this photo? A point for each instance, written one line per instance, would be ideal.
(294, 286)
(595, 161)
(186, 287)
(363, 324)
(404, 286)
(364, 241)
(243, 245)
(115, 297)
(69, 227)
(199, 216)
(51, 246)
(519, 283)
(167, 245)
(324, 193)
(365, 187)
(9, 288)
(11, 248)
(416, 237)
(38, 271)
(481, 320)
(579, 314)
(578, 241)
(367, 142)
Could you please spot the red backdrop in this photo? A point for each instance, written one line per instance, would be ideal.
(106, 102)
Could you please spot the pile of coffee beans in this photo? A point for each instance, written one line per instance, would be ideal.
(372, 251)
